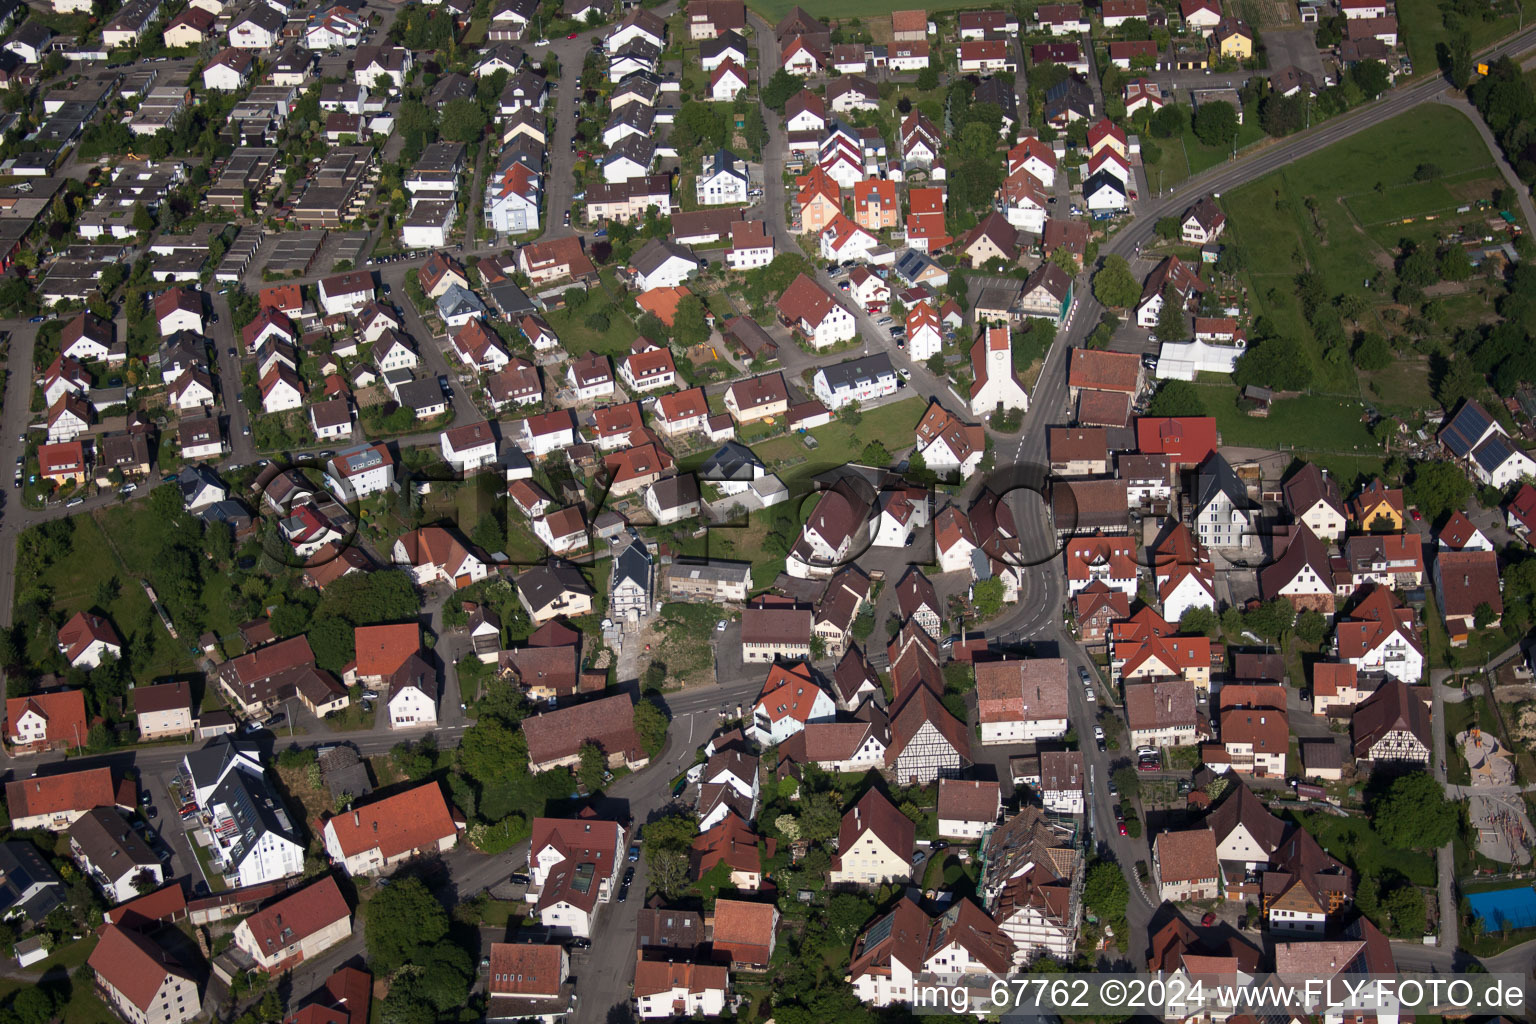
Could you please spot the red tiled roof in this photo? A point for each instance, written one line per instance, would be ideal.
(1099, 370)
(407, 821)
(1187, 439)
(609, 722)
(133, 964)
(63, 710)
(70, 791)
(525, 969)
(383, 649)
(745, 931)
(298, 915)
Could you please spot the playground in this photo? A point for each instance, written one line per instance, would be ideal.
(1489, 763)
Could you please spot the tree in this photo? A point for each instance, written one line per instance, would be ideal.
(987, 598)
(928, 79)
(1372, 352)
(402, 920)
(875, 454)
(689, 327)
(593, 765)
(1169, 121)
(1176, 398)
(143, 220)
(1455, 264)
(1417, 268)
(1168, 228)
(818, 647)
(1281, 115)
(1128, 781)
(820, 817)
(486, 750)
(1370, 77)
(1405, 905)
(1106, 894)
(1483, 615)
(650, 725)
(1200, 619)
(1413, 814)
(780, 88)
(1311, 627)
(1271, 619)
(1438, 488)
(1114, 285)
(33, 1005)
(1216, 123)
(935, 364)
(1172, 324)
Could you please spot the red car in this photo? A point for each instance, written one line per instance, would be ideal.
(1416, 516)
(1122, 829)
(571, 36)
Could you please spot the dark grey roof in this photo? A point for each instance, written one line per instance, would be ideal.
(421, 394)
(912, 263)
(1216, 477)
(256, 810)
(1099, 180)
(638, 148)
(541, 585)
(858, 371)
(656, 252)
(633, 563)
(108, 843)
(676, 491)
(264, 15)
(207, 764)
(1070, 94)
(1466, 429)
(726, 41)
(27, 883)
(734, 461)
(193, 479)
(993, 90)
(1493, 453)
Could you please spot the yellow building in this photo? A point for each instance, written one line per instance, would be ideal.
(1378, 508)
(1233, 39)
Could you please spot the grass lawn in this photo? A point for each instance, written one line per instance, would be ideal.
(75, 578)
(839, 443)
(1201, 157)
(1423, 30)
(741, 541)
(773, 11)
(1171, 168)
(1402, 386)
(579, 339)
(1297, 218)
(1308, 422)
(1355, 843)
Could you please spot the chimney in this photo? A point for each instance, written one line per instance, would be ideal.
(357, 820)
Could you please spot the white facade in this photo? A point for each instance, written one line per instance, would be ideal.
(411, 708)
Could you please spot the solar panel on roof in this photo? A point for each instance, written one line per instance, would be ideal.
(1466, 428)
(1492, 453)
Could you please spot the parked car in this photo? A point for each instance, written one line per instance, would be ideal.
(74, 502)
(634, 854)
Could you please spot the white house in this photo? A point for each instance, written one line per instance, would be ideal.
(469, 447)
(412, 707)
(722, 180)
(574, 864)
(346, 292)
(925, 333)
(661, 264)
(859, 380)
(813, 311)
(995, 385)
